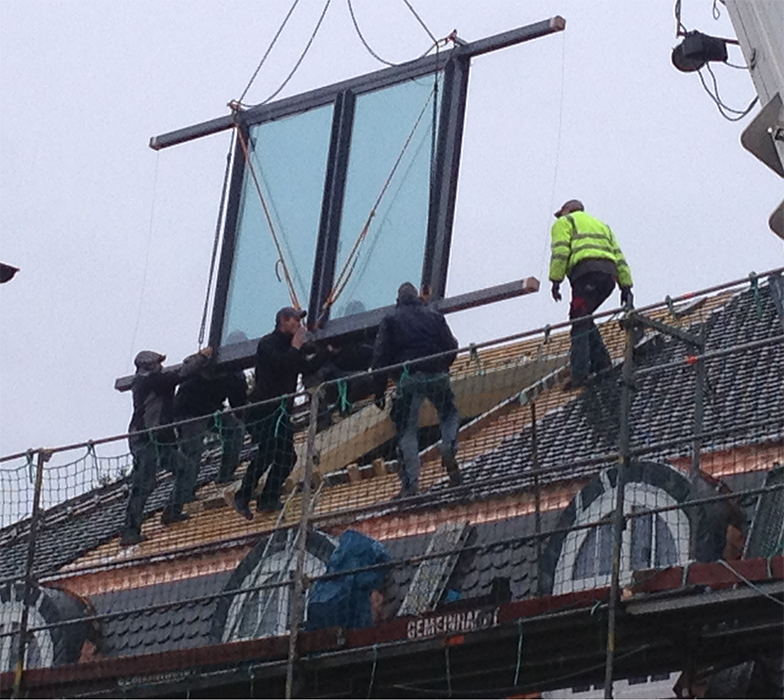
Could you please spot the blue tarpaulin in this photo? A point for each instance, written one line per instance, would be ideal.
(344, 601)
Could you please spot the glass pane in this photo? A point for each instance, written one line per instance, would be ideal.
(290, 159)
(642, 533)
(390, 158)
(666, 551)
(604, 563)
(585, 563)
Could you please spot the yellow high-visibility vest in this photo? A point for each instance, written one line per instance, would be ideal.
(579, 236)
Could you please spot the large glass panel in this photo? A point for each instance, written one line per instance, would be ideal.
(289, 159)
(388, 184)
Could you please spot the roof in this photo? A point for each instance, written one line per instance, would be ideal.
(574, 431)
(161, 595)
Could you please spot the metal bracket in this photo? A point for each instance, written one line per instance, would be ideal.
(635, 319)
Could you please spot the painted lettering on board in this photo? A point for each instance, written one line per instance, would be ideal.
(452, 623)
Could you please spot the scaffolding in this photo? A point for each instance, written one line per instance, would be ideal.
(621, 529)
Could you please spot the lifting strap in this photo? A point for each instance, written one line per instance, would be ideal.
(346, 271)
(243, 141)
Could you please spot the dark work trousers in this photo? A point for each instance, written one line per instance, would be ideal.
(274, 437)
(410, 393)
(589, 292)
(149, 456)
(231, 431)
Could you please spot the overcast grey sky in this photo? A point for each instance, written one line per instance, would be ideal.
(114, 240)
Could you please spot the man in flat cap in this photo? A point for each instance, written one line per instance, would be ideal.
(279, 362)
(584, 249)
(410, 336)
(153, 441)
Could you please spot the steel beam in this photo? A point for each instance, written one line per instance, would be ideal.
(242, 354)
(371, 81)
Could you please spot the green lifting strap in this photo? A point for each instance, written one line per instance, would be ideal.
(343, 403)
(282, 413)
(217, 420)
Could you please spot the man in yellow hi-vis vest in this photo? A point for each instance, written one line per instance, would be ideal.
(584, 249)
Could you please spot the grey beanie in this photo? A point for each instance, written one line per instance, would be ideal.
(147, 359)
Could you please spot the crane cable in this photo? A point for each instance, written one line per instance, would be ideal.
(348, 266)
(267, 52)
(265, 208)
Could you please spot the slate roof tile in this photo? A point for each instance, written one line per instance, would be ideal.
(745, 388)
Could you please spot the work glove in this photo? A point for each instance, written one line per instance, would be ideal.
(381, 402)
(627, 298)
(555, 291)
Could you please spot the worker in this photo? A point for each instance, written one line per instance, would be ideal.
(280, 360)
(202, 396)
(153, 441)
(585, 250)
(410, 332)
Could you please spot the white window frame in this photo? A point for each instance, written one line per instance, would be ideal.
(639, 494)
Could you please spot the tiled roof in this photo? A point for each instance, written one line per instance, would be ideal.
(494, 451)
(742, 389)
(179, 621)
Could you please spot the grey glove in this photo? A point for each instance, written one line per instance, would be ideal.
(627, 298)
(555, 291)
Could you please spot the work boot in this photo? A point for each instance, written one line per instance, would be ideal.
(449, 462)
(266, 506)
(224, 478)
(406, 491)
(173, 515)
(574, 383)
(131, 537)
(241, 506)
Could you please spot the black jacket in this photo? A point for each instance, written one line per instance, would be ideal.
(278, 366)
(153, 397)
(205, 391)
(411, 331)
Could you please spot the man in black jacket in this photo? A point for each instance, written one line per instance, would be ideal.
(279, 362)
(153, 442)
(413, 331)
(202, 395)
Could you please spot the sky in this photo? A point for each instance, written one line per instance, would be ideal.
(114, 240)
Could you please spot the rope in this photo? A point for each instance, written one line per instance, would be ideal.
(375, 656)
(146, 258)
(302, 57)
(364, 42)
(267, 52)
(750, 584)
(30, 466)
(343, 403)
(419, 19)
(557, 159)
(755, 291)
(348, 266)
(519, 651)
(282, 413)
(268, 217)
(91, 451)
(211, 276)
(217, 420)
